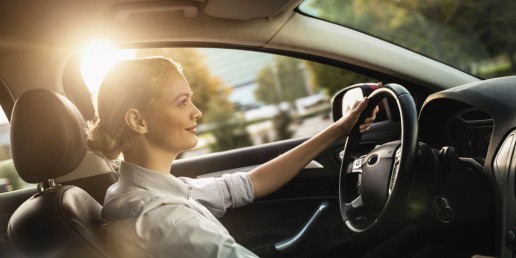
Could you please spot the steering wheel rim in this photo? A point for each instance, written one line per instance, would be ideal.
(403, 170)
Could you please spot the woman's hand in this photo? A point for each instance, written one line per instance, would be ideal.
(272, 175)
(364, 127)
(349, 119)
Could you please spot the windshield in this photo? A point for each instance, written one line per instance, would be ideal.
(474, 36)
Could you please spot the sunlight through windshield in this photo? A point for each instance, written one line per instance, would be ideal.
(97, 58)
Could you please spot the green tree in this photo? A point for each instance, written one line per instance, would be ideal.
(331, 79)
(8, 171)
(291, 78)
(5, 152)
(463, 34)
(230, 129)
(268, 90)
(283, 81)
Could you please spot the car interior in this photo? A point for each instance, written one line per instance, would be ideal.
(58, 218)
(433, 177)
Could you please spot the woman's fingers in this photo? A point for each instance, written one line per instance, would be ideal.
(369, 121)
(365, 127)
(359, 106)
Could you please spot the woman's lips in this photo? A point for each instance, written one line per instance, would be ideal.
(192, 129)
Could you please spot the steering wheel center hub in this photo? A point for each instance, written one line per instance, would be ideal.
(377, 175)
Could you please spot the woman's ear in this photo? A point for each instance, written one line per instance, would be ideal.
(135, 121)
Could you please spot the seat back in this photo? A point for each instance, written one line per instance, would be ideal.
(48, 141)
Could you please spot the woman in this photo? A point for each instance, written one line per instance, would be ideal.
(145, 112)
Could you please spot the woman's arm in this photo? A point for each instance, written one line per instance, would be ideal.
(272, 175)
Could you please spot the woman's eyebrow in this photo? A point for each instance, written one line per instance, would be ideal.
(188, 94)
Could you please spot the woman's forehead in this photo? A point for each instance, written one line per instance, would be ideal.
(177, 86)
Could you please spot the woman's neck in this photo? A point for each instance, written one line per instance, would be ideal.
(155, 160)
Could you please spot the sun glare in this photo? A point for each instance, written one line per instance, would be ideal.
(97, 58)
(3, 117)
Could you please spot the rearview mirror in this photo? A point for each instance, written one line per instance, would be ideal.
(344, 100)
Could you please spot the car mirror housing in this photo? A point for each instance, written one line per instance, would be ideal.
(344, 100)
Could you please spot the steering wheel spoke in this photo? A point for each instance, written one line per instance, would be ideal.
(357, 202)
(395, 170)
(357, 165)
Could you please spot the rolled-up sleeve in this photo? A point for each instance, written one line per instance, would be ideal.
(221, 193)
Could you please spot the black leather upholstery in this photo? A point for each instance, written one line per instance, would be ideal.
(96, 186)
(48, 141)
(63, 221)
(47, 138)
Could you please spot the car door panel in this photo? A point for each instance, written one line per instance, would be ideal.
(282, 214)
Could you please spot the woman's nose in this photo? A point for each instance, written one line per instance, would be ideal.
(197, 114)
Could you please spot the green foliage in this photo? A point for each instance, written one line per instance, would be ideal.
(267, 90)
(331, 79)
(5, 152)
(464, 34)
(230, 130)
(226, 141)
(291, 76)
(281, 124)
(283, 81)
(8, 171)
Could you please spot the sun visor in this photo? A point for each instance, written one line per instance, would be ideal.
(246, 9)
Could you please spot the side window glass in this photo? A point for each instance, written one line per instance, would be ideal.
(250, 98)
(9, 179)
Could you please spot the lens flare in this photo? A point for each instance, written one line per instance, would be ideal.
(97, 58)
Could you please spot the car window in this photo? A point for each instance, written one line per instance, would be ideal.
(248, 98)
(9, 179)
(469, 35)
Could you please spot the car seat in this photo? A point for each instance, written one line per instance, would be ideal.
(48, 141)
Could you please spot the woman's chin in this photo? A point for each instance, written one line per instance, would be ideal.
(188, 145)
(195, 141)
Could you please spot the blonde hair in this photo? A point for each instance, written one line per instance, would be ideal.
(135, 83)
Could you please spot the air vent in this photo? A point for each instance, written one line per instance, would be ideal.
(475, 116)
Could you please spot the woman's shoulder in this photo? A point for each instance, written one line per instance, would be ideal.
(132, 204)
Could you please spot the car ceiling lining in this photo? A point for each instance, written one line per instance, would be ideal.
(223, 9)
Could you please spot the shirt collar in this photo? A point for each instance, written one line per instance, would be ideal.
(150, 180)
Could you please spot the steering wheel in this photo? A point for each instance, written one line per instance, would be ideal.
(373, 187)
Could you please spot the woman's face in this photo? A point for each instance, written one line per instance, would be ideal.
(172, 119)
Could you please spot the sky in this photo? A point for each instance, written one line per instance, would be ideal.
(3, 118)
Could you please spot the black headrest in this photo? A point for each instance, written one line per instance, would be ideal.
(47, 136)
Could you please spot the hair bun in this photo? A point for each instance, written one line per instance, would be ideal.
(101, 142)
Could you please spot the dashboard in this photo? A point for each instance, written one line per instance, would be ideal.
(479, 121)
(473, 118)
(449, 122)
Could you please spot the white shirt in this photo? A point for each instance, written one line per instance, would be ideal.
(155, 215)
